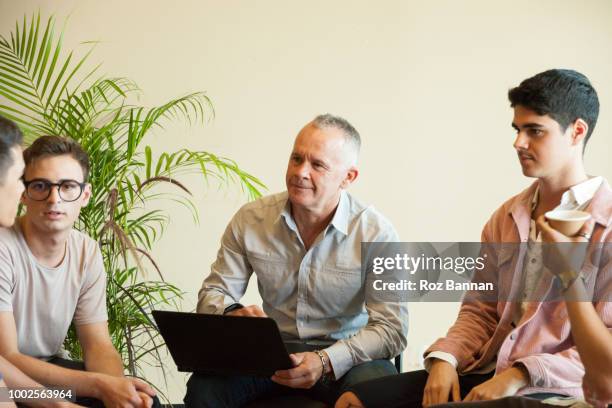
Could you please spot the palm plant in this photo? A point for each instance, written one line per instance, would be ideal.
(47, 93)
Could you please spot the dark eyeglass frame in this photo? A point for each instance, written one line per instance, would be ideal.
(50, 185)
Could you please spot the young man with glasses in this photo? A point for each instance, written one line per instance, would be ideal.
(11, 188)
(52, 275)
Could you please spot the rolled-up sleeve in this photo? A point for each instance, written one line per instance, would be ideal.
(229, 275)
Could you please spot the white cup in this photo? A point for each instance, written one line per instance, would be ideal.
(567, 222)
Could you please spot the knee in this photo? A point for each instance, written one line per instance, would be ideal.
(368, 371)
(198, 388)
(204, 391)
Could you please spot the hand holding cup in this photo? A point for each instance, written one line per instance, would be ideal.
(563, 254)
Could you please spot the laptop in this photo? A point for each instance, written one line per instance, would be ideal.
(226, 345)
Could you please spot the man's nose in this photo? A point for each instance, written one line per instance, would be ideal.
(54, 196)
(303, 169)
(521, 142)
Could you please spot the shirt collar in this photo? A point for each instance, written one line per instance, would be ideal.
(341, 216)
(575, 197)
(286, 214)
(583, 192)
(339, 221)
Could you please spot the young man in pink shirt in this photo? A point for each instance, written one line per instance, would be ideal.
(500, 349)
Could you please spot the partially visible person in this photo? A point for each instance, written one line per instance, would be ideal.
(11, 171)
(11, 187)
(52, 275)
(593, 339)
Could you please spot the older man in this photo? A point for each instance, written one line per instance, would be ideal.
(304, 245)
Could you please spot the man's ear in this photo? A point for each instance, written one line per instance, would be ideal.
(351, 176)
(579, 130)
(86, 195)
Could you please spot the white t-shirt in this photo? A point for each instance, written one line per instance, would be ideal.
(45, 300)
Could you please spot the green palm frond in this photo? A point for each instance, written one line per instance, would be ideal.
(34, 75)
(47, 90)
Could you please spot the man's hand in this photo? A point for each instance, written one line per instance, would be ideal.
(562, 253)
(124, 392)
(307, 371)
(502, 385)
(348, 400)
(250, 311)
(442, 382)
(146, 400)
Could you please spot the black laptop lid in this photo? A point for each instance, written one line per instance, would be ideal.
(223, 344)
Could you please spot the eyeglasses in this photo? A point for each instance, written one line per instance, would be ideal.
(40, 189)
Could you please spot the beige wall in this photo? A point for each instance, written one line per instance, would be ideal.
(423, 81)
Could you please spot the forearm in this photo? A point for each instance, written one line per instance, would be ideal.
(383, 337)
(15, 378)
(212, 300)
(82, 382)
(229, 274)
(221, 288)
(589, 332)
(105, 360)
(5, 404)
(474, 326)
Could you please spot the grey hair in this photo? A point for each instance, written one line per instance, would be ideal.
(330, 121)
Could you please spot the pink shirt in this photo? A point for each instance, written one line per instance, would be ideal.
(542, 341)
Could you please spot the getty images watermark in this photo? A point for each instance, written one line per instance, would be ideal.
(455, 271)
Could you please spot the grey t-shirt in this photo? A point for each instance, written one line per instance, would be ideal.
(45, 300)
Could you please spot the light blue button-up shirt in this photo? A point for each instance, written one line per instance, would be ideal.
(320, 295)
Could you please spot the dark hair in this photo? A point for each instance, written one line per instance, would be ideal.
(563, 94)
(46, 146)
(10, 136)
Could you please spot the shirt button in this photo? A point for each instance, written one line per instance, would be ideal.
(512, 337)
(533, 260)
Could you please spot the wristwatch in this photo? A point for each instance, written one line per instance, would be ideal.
(232, 307)
(325, 367)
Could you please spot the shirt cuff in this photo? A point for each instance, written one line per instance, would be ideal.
(440, 355)
(215, 304)
(227, 302)
(340, 358)
(536, 371)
